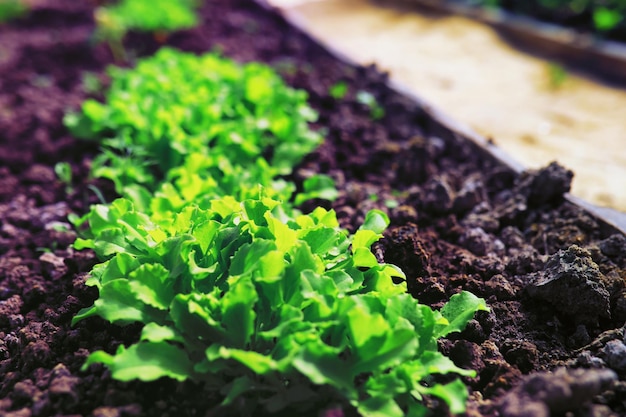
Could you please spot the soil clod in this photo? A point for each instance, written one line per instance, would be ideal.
(573, 284)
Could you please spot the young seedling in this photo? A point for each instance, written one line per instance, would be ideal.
(376, 110)
(63, 171)
(338, 90)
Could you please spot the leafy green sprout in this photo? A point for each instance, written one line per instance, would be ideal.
(99, 195)
(318, 186)
(376, 110)
(63, 170)
(43, 249)
(338, 90)
(60, 227)
(390, 203)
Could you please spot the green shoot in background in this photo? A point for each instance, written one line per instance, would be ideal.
(376, 110)
(159, 17)
(601, 16)
(338, 90)
(63, 171)
(11, 9)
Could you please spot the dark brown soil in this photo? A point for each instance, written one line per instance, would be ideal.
(554, 278)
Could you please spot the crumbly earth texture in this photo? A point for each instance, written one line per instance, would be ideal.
(553, 276)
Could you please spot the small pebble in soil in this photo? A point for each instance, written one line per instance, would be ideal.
(586, 360)
(545, 185)
(9, 308)
(580, 337)
(12, 343)
(499, 286)
(614, 246)
(482, 216)
(26, 391)
(63, 384)
(476, 240)
(438, 195)
(521, 353)
(614, 354)
(544, 394)
(472, 192)
(480, 243)
(52, 266)
(513, 238)
(40, 174)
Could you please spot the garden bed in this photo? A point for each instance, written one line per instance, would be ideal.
(460, 219)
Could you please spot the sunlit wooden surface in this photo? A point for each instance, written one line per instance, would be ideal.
(467, 70)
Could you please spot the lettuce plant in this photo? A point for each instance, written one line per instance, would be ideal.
(270, 307)
(234, 287)
(197, 127)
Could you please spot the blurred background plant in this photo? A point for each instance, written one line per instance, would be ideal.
(160, 17)
(600, 16)
(557, 75)
(11, 9)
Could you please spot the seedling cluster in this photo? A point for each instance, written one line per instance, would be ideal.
(234, 286)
